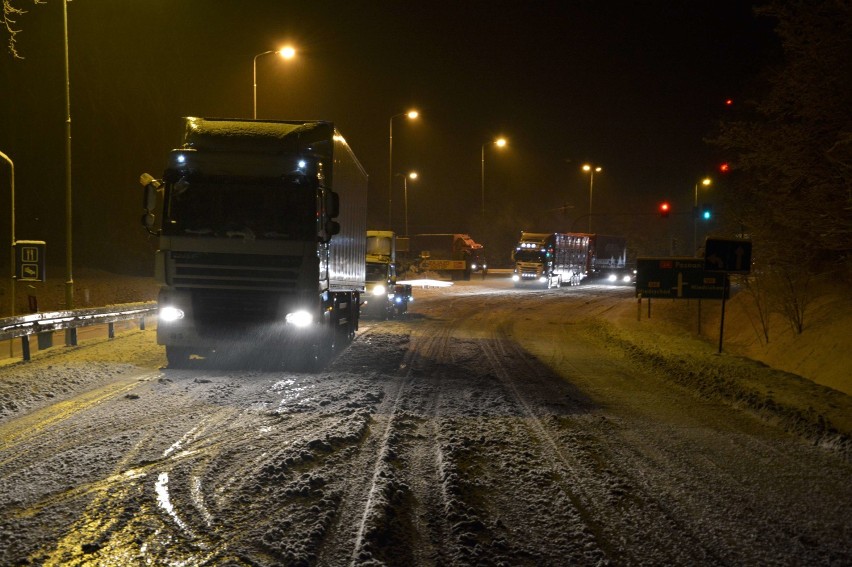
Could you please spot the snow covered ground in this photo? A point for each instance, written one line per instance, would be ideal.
(487, 426)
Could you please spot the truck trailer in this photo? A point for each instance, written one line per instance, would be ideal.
(607, 260)
(261, 240)
(451, 254)
(384, 297)
(556, 259)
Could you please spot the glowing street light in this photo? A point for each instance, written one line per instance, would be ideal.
(706, 183)
(287, 52)
(591, 170)
(411, 114)
(499, 142)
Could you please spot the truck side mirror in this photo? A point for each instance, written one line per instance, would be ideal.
(149, 199)
(148, 221)
(332, 205)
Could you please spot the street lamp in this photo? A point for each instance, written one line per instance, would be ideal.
(410, 114)
(591, 170)
(285, 52)
(12, 224)
(412, 175)
(706, 182)
(499, 142)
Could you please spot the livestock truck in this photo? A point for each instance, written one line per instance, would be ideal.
(261, 240)
(555, 259)
(550, 259)
(384, 297)
(452, 254)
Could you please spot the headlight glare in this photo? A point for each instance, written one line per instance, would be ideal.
(299, 318)
(168, 314)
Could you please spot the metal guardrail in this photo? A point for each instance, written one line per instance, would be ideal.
(36, 323)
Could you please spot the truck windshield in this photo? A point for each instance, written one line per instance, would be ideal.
(376, 272)
(235, 210)
(529, 256)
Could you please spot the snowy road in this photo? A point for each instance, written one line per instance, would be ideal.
(490, 426)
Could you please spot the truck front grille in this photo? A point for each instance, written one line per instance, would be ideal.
(209, 270)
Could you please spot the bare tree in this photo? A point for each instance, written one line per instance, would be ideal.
(10, 20)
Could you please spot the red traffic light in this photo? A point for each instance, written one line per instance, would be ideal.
(725, 168)
(665, 209)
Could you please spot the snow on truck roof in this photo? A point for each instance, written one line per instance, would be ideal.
(272, 136)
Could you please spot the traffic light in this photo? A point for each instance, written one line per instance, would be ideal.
(665, 209)
(725, 167)
(707, 212)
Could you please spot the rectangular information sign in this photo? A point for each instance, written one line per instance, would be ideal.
(30, 260)
(679, 278)
(728, 255)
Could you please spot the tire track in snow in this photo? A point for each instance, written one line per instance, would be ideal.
(595, 484)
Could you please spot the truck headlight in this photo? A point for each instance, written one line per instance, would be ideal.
(515, 277)
(379, 290)
(169, 314)
(299, 318)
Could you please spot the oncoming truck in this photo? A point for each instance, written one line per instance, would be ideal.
(556, 259)
(384, 296)
(261, 240)
(550, 259)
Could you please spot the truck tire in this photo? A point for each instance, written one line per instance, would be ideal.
(177, 357)
(401, 307)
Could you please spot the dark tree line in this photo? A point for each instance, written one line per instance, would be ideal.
(790, 146)
(790, 150)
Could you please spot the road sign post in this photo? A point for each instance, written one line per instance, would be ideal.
(730, 256)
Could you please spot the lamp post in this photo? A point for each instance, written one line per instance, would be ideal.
(412, 114)
(706, 182)
(12, 224)
(70, 334)
(499, 142)
(591, 170)
(285, 52)
(405, 177)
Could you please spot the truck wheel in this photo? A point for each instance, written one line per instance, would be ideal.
(401, 307)
(177, 357)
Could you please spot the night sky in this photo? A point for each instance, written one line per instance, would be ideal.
(633, 86)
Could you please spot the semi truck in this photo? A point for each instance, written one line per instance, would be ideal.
(550, 259)
(384, 297)
(556, 259)
(454, 255)
(261, 240)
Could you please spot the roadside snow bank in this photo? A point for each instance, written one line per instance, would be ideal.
(820, 414)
